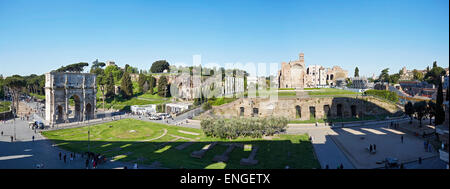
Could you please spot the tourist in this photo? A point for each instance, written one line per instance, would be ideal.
(64, 158)
(370, 148)
(402, 139)
(420, 160)
(341, 167)
(71, 157)
(326, 166)
(11, 138)
(2, 135)
(59, 155)
(374, 147)
(135, 166)
(87, 163)
(33, 138)
(94, 164)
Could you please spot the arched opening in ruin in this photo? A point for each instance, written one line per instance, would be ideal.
(331, 77)
(298, 112)
(60, 114)
(312, 112)
(326, 109)
(255, 112)
(339, 110)
(75, 108)
(241, 111)
(89, 112)
(353, 110)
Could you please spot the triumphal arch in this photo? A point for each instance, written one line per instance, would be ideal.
(69, 97)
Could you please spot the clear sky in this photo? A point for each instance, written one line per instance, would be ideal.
(39, 36)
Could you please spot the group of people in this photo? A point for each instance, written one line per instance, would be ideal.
(95, 159)
(71, 158)
(394, 125)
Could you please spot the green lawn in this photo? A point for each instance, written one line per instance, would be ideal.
(269, 93)
(5, 106)
(221, 101)
(130, 140)
(330, 91)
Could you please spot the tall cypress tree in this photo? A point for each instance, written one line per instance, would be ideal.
(440, 113)
(126, 86)
(110, 85)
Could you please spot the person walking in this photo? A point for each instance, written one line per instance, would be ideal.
(87, 163)
(374, 147)
(32, 138)
(11, 138)
(2, 133)
(94, 164)
(370, 148)
(402, 139)
(59, 155)
(341, 167)
(64, 158)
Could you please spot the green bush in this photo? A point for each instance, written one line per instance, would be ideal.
(243, 127)
(388, 95)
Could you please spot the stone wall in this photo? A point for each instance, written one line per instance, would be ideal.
(305, 108)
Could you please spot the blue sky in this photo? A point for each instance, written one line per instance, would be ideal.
(39, 36)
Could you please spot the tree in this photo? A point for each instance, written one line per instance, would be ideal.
(206, 106)
(409, 110)
(394, 78)
(110, 85)
(116, 72)
(431, 110)
(126, 86)
(384, 76)
(163, 87)
(141, 82)
(102, 81)
(159, 66)
(433, 76)
(417, 75)
(151, 84)
(15, 84)
(77, 67)
(420, 109)
(97, 66)
(356, 72)
(440, 113)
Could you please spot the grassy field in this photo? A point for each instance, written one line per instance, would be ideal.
(330, 91)
(268, 93)
(132, 140)
(4, 106)
(286, 89)
(221, 101)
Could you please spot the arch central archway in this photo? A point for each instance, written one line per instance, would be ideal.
(75, 108)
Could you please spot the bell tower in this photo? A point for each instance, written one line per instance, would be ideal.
(301, 57)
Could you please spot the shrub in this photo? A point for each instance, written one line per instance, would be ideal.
(243, 127)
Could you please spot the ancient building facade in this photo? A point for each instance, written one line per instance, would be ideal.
(296, 75)
(292, 74)
(307, 108)
(63, 88)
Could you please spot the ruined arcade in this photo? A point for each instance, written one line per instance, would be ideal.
(69, 97)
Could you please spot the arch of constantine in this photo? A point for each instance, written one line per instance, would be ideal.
(69, 97)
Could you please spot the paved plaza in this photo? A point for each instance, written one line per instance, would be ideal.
(355, 142)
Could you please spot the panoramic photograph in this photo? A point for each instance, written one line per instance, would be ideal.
(243, 85)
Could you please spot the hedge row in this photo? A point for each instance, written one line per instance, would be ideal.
(243, 127)
(388, 95)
